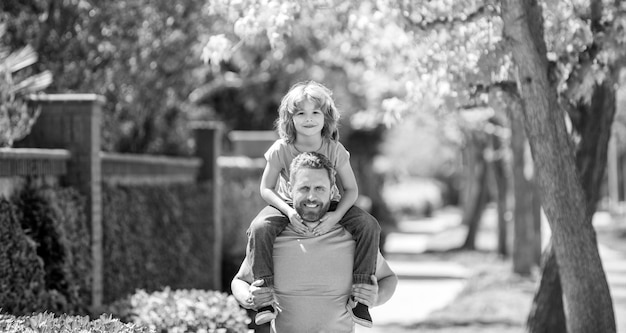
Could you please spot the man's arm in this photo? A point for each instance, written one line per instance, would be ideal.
(383, 287)
(250, 294)
(240, 285)
(387, 281)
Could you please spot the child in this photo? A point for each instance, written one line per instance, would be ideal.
(307, 122)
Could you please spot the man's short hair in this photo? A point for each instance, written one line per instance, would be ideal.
(311, 160)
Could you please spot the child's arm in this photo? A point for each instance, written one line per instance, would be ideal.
(350, 194)
(268, 181)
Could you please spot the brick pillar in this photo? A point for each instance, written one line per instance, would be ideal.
(208, 142)
(72, 122)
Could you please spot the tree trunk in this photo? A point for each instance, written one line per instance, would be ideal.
(594, 125)
(586, 298)
(524, 244)
(499, 171)
(594, 128)
(546, 314)
(477, 195)
(499, 167)
(536, 220)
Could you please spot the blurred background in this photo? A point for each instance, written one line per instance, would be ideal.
(427, 92)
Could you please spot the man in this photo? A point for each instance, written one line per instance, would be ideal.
(313, 274)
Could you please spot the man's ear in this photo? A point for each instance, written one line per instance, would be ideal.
(333, 190)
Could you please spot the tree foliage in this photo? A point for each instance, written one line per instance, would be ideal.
(445, 53)
(16, 83)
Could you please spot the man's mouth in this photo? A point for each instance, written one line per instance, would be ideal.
(310, 204)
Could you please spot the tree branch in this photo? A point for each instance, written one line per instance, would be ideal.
(448, 21)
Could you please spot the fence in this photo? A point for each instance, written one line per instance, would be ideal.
(64, 146)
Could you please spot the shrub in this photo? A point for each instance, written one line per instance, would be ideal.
(184, 310)
(157, 236)
(241, 202)
(54, 219)
(22, 285)
(49, 323)
(240, 198)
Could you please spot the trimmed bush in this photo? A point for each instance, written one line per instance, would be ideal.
(156, 236)
(49, 323)
(241, 202)
(54, 219)
(193, 310)
(22, 285)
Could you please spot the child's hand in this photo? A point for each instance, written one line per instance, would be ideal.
(366, 293)
(259, 296)
(296, 222)
(327, 222)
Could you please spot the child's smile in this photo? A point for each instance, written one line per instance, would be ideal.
(308, 119)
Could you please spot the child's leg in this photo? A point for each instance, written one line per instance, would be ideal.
(366, 232)
(261, 235)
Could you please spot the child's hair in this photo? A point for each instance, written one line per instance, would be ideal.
(315, 93)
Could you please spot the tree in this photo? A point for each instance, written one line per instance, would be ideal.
(527, 208)
(443, 30)
(142, 56)
(598, 56)
(587, 301)
(16, 83)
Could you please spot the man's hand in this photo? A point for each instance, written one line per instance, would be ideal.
(259, 296)
(296, 222)
(327, 223)
(366, 293)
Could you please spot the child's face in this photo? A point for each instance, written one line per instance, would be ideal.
(308, 120)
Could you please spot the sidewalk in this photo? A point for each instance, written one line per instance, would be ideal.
(426, 286)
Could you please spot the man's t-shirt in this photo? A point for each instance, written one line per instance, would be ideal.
(312, 281)
(281, 153)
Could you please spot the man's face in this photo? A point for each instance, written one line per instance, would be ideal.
(311, 193)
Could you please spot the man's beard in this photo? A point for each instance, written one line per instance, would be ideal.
(312, 214)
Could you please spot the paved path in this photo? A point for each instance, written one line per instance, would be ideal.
(424, 286)
(440, 282)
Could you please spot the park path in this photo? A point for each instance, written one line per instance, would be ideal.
(425, 286)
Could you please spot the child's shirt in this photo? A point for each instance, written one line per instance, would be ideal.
(281, 153)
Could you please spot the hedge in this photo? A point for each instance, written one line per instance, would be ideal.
(44, 251)
(54, 217)
(241, 202)
(22, 285)
(156, 236)
(183, 310)
(49, 323)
